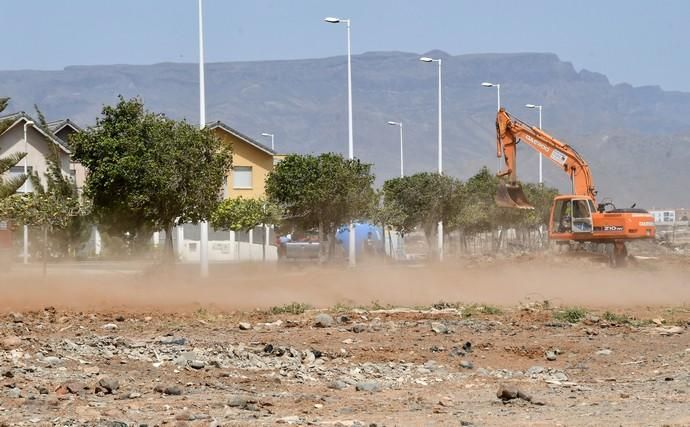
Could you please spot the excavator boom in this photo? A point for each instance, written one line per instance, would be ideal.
(510, 131)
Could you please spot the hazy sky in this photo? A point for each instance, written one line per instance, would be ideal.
(634, 41)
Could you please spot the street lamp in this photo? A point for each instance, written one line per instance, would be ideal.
(350, 148)
(498, 92)
(400, 125)
(498, 108)
(332, 20)
(440, 144)
(272, 139)
(203, 226)
(25, 189)
(538, 107)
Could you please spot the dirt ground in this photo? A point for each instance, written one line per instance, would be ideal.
(569, 340)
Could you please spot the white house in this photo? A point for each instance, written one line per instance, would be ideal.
(38, 145)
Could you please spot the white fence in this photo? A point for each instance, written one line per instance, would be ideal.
(226, 246)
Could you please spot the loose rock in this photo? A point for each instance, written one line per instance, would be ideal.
(368, 386)
(107, 385)
(169, 390)
(197, 364)
(671, 330)
(342, 319)
(73, 387)
(245, 326)
(466, 364)
(52, 360)
(507, 393)
(439, 328)
(337, 385)
(10, 342)
(323, 320)
(171, 340)
(243, 401)
(358, 328)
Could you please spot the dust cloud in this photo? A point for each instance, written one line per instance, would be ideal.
(250, 286)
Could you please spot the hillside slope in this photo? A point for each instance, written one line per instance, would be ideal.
(637, 139)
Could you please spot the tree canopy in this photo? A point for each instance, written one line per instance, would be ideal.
(240, 214)
(422, 199)
(324, 192)
(150, 172)
(480, 213)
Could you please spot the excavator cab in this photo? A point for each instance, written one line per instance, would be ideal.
(510, 195)
(571, 215)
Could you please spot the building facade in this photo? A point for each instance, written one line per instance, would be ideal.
(662, 217)
(251, 163)
(38, 145)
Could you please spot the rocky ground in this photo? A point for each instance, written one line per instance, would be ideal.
(446, 364)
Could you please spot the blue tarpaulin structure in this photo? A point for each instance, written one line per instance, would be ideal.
(362, 231)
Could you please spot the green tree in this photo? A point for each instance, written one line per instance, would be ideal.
(324, 192)
(44, 210)
(541, 198)
(479, 211)
(67, 238)
(9, 186)
(240, 214)
(149, 172)
(422, 200)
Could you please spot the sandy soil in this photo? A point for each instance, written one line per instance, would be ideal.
(402, 345)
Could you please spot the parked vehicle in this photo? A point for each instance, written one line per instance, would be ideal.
(298, 247)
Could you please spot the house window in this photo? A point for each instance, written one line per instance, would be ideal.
(242, 177)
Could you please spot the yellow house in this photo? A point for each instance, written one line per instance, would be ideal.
(251, 163)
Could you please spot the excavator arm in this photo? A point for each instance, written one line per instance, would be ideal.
(510, 131)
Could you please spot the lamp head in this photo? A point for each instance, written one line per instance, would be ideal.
(487, 84)
(332, 20)
(426, 59)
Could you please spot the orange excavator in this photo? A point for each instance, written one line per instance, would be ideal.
(574, 217)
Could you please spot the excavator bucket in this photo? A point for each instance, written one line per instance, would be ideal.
(511, 196)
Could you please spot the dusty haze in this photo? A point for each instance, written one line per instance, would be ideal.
(244, 287)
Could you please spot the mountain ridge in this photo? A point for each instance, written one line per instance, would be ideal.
(304, 102)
